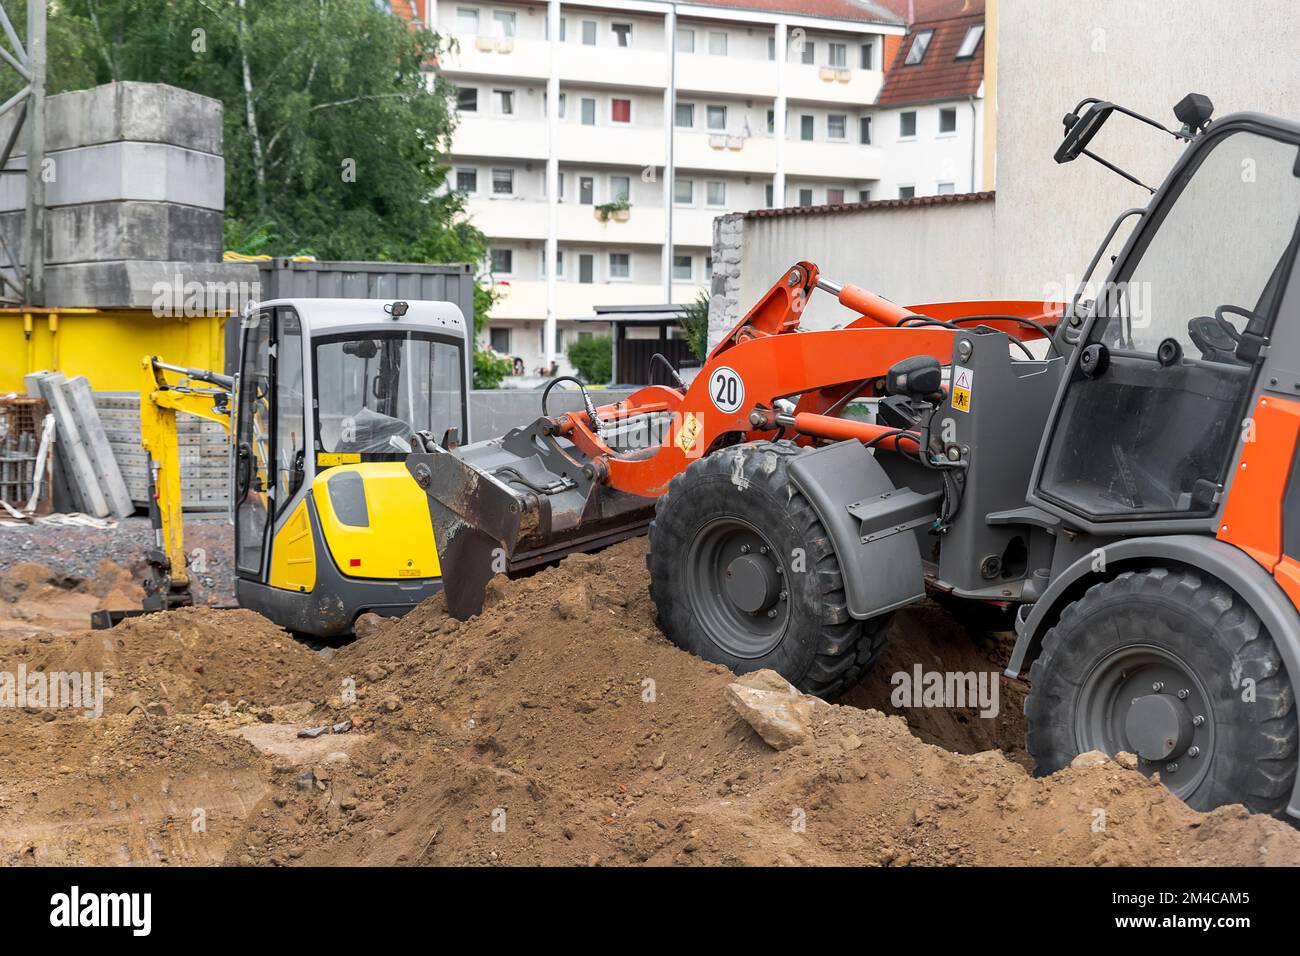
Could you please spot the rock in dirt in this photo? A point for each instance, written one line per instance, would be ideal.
(770, 704)
(366, 625)
(1093, 758)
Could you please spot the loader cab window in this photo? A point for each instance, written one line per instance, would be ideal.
(1151, 429)
(376, 389)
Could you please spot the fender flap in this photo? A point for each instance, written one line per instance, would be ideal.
(870, 524)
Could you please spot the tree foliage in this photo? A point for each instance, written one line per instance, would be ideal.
(593, 358)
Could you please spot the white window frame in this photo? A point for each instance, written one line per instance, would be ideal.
(467, 89)
(613, 197)
(493, 177)
(582, 110)
(682, 181)
(609, 266)
(939, 189)
(812, 138)
(918, 49)
(559, 264)
(708, 121)
(631, 33)
(970, 42)
(497, 101)
(713, 35)
(690, 267)
(466, 169)
(630, 105)
(843, 49)
(595, 33)
(708, 188)
(844, 127)
(509, 338)
(492, 261)
(902, 186)
(683, 32)
(907, 137)
(501, 17)
(948, 132)
(684, 106)
(461, 13)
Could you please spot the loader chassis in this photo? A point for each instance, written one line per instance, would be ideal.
(1126, 490)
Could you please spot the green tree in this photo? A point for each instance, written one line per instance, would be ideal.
(593, 358)
(694, 324)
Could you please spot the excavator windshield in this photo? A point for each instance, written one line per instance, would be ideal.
(376, 389)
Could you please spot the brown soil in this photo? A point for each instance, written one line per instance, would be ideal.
(556, 727)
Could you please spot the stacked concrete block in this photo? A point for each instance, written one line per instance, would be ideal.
(135, 192)
(724, 289)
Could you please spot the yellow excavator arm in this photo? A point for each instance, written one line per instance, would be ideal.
(165, 390)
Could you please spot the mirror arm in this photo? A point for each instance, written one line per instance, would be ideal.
(1115, 169)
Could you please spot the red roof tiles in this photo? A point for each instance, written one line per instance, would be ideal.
(939, 75)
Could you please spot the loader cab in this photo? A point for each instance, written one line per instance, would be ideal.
(1156, 397)
(330, 396)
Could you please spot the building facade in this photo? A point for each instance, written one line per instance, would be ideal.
(605, 138)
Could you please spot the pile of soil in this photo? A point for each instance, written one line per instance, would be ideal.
(557, 727)
(37, 598)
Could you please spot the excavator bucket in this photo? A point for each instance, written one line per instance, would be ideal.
(513, 503)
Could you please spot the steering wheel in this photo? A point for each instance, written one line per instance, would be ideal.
(1216, 337)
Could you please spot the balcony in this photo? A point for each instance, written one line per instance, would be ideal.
(526, 299)
(526, 220)
(724, 152)
(821, 84)
(512, 58)
(734, 76)
(832, 160)
(497, 136)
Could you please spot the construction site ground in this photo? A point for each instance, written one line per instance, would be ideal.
(557, 727)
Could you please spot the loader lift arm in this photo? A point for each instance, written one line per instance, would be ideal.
(489, 502)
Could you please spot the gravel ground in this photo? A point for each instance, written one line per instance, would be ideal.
(75, 551)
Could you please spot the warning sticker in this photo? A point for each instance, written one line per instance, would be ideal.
(690, 431)
(963, 380)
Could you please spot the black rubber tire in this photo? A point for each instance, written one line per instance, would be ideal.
(1220, 640)
(821, 649)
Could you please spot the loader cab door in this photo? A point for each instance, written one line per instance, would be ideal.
(1154, 399)
(270, 434)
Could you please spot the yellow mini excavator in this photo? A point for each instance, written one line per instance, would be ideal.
(329, 399)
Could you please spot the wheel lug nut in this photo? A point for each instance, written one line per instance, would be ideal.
(784, 595)
(1171, 767)
(780, 570)
(1184, 694)
(763, 550)
(1198, 720)
(1158, 686)
(772, 613)
(744, 549)
(1194, 752)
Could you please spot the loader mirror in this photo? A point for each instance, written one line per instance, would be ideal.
(1080, 128)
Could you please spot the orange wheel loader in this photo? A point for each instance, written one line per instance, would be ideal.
(1118, 476)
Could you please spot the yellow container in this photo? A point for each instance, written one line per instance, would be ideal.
(104, 345)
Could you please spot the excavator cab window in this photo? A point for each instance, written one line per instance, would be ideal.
(252, 444)
(374, 393)
(1155, 402)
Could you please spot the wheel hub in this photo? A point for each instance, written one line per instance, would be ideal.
(1159, 727)
(751, 583)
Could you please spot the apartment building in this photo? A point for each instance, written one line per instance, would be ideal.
(930, 113)
(605, 138)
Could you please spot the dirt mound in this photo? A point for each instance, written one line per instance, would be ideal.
(560, 727)
(35, 597)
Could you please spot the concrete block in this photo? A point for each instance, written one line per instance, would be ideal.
(105, 172)
(141, 112)
(167, 288)
(104, 232)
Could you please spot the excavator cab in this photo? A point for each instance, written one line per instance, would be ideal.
(331, 397)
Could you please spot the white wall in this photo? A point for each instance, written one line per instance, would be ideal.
(910, 255)
(1146, 56)
(930, 157)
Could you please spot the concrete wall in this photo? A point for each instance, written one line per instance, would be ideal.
(911, 252)
(1145, 56)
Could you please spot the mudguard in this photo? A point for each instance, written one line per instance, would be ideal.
(870, 523)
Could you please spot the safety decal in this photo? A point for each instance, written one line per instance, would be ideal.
(963, 380)
(689, 431)
(726, 390)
